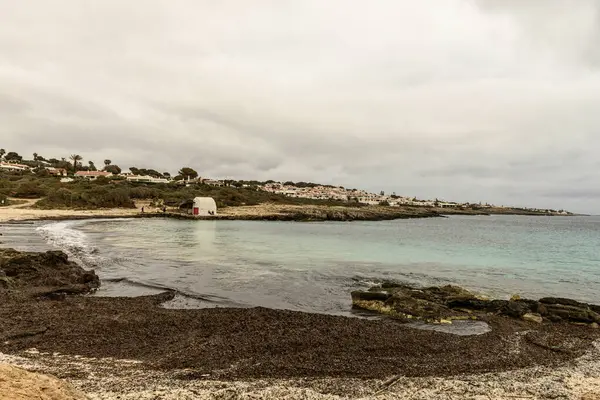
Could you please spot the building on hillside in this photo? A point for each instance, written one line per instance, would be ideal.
(444, 204)
(56, 171)
(14, 167)
(199, 207)
(92, 175)
(146, 179)
(213, 182)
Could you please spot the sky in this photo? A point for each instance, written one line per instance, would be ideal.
(468, 100)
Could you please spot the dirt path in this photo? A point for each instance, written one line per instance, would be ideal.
(24, 211)
(22, 203)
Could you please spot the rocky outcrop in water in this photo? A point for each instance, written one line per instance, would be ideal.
(48, 274)
(447, 303)
(308, 213)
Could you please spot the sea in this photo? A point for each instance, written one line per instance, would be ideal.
(314, 266)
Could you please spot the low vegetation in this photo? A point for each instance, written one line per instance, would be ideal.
(110, 193)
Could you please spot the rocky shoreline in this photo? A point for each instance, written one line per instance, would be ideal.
(447, 303)
(285, 213)
(262, 212)
(42, 308)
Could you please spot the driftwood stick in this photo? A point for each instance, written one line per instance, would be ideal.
(388, 384)
(25, 334)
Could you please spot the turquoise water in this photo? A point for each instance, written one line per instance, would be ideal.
(315, 266)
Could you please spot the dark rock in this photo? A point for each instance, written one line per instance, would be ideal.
(470, 304)
(453, 302)
(392, 284)
(563, 301)
(530, 303)
(572, 313)
(554, 318)
(420, 308)
(539, 308)
(55, 257)
(497, 305)
(516, 309)
(90, 278)
(45, 272)
(370, 296)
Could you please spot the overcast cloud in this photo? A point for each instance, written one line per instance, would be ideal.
(491, 100)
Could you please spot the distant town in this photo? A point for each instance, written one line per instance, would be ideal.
(73, 169)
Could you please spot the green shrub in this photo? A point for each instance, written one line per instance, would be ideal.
(96, 197)
(30, 190)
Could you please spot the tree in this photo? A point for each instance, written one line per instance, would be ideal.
(13, 156)
(150, 172)
(76, 158)
(2, 153)
(382, 193)
(107, 162)
(113, 169)
(166, 174)
(134, 170)
(188, 173)
(91, 166)
(35, 156)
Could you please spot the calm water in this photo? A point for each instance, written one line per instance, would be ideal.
(315, 266)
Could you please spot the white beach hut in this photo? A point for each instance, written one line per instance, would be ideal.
(204, 206)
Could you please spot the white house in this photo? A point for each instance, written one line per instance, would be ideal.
(204, 206)
(213, 182)
(146, 179)
(14, 167)
(92, 175)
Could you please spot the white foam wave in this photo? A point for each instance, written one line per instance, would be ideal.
(74, 242)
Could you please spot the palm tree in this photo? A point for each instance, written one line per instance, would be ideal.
(75, 158)
(107, 162)
(35, 155)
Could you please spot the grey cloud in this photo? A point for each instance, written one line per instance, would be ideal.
(562, 27)
(577, 193)
(10, 105)
(487, 100)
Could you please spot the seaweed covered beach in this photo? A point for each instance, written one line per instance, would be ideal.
(44, 307)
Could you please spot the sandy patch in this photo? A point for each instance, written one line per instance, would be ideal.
(19, 384)
(23, 211)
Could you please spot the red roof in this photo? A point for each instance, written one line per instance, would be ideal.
(92, 173)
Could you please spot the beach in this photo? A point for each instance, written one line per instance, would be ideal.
(139, 348)
(110, 379)
(145, 352)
